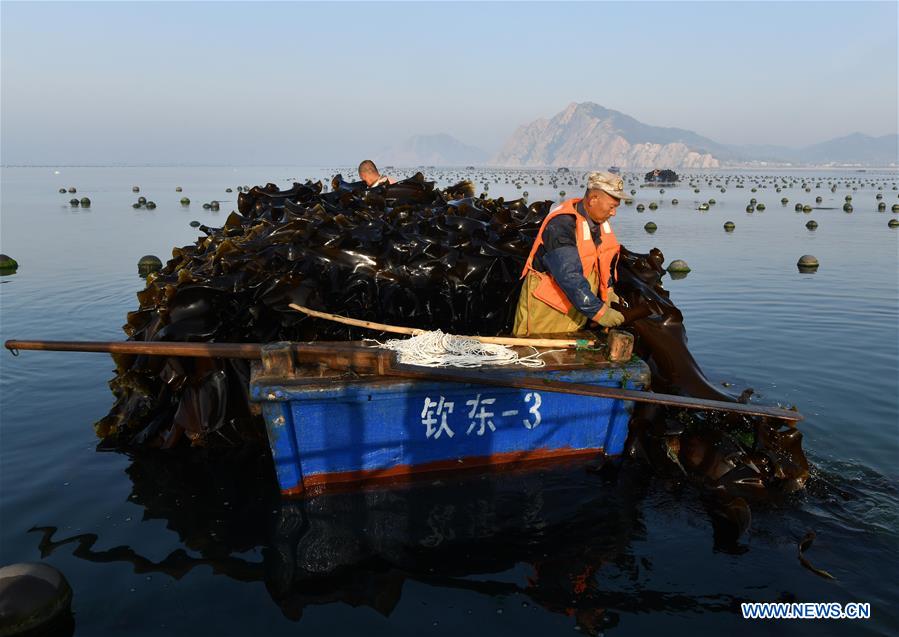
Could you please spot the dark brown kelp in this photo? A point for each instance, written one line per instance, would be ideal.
(404, 254)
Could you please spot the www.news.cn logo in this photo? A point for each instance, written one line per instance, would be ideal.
(805, 610)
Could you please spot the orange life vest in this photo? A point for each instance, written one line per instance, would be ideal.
(604, 257)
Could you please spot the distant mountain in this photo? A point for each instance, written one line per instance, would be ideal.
(854, 148)
(432, 150)
(588, 135)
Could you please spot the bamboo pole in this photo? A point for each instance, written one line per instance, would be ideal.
(558, 343)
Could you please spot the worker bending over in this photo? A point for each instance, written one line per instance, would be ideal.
(568, 276)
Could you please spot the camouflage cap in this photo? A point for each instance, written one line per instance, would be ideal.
(607, 182)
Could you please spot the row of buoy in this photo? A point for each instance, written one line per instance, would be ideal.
(517, 178)
(692, 184)
(143, 203)
(729, 226)
(760, 207)
(538, 176)
(151, 263)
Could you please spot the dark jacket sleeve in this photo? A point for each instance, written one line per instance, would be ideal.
(564, 264)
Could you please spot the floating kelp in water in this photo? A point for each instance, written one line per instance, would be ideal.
(405, 254)
(745, 457)
(805, 544)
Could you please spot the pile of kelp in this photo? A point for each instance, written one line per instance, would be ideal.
(405, 254)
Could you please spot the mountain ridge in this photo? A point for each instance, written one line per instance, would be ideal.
(587, 134)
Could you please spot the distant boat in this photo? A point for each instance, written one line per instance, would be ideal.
(615, 170)
(656, 177)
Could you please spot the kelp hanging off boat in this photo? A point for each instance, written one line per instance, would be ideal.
(405, 254)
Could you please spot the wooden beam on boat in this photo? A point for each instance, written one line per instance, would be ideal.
(361, 359)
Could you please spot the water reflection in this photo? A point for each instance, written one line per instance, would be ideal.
(543, 535)
(462, 534)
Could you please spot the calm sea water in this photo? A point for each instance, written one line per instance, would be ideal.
(203, 545)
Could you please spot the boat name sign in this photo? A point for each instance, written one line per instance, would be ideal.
(435, 414)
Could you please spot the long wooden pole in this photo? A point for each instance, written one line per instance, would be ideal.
(344, 355)
(581, 389)
(149, 348)
(561, 343)
(335, 354)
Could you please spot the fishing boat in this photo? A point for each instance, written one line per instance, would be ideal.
(328, 428)
(344, 414)
(658, 177)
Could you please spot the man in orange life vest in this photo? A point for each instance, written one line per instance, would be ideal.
(568, 275)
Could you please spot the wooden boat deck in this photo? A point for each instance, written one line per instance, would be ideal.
(274, 370)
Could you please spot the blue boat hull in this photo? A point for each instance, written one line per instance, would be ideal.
(326, 432)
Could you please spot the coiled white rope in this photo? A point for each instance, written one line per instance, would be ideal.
(437, 349)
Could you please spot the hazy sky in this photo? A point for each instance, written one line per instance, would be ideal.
(307, 83)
